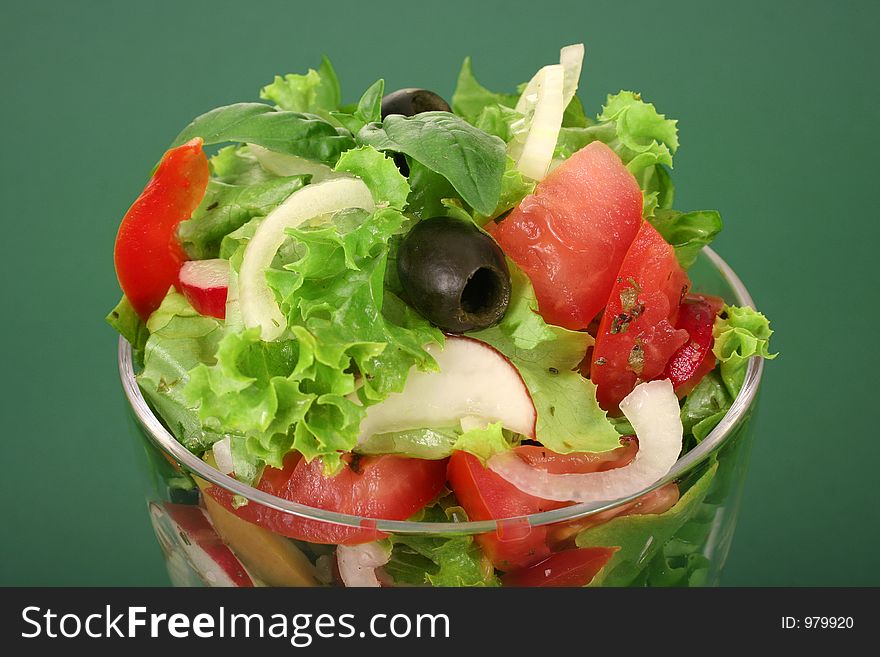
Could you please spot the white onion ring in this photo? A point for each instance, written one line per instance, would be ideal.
(652, 408)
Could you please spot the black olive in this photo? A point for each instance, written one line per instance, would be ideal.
(410, 102)
(454, 274)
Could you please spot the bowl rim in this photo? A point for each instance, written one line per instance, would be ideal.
(166, 442)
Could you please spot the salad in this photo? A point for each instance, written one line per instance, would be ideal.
(409, 309)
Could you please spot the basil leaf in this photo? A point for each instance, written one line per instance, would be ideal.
(471, 160)
(304, 135)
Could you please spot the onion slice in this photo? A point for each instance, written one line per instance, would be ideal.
(572, 60)
(653, 410)
(542, 104)
(223, 455)
(258, 306)
(358, 563)
(536, 152)
(284, 164)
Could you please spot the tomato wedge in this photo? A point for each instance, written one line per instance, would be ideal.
(387, 487)
(485, 495)
(566, 568)
(147, 254)
(637, 334)
(571, 235)
(695, 359)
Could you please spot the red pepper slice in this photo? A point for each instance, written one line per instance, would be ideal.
(695, 358)
(147, 254)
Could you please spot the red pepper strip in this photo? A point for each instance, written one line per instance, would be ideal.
(695, 359)
(147, 254)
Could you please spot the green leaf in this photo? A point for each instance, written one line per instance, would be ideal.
(431, 444)
(226, 208)
(427, 191)
(314, 92)
(471, 160)
(237, 165)
(644, 139)
(483, 442)
(304, 135)
(438, 560)
(381, 175)
(470, 97)
(740, 334)
(296, 394)
(180, 339)
(687, 232)
(367, 110)
(641, 537)
(569, 418)
(705, 405)
(130, 326)
(250, 391)
(514, 188)
(640, 127)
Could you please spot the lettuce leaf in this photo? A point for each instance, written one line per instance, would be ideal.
(569, 418)
(130, 326)
(470, 97)
(180, 339)
(640, 537)
(226, 208)
(315, 92)
(380, 174)
(740, 334)
(237, 165)
(298, 394)
(705, 406)
(438, 560)
(687, 232)
(431, 444)
(644, 139)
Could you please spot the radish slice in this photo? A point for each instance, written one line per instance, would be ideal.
(194, 549)
(282, 164)
(543, 108)
(358, 563)
(205, 284)
(475, 383)
(258, 306)
(223, 455)
(652, 409)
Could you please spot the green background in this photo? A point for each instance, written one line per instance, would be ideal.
(778, 110)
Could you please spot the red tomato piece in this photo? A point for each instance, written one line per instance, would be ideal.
(695, 359)
(387, 487)
(571, 235)
(485, 495)
(566, 568)
(637, 334)
(147, 254)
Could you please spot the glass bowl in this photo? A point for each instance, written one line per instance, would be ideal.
(685, 545)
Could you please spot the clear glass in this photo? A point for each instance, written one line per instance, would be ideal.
(686, 545)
